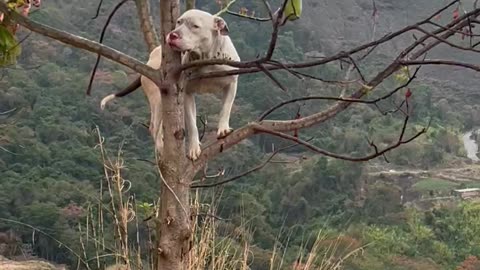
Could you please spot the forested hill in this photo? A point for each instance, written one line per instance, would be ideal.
(50, 161)
(333, 26)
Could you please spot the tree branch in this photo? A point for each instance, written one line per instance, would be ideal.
(258, 128)
(247, 67)
(252, 170)
(258, 19)
(81, 43)
(318, 150)
(440, 62)
(288, 125)
(274, 36)
(102, 35)
(373, 101)
(146, 24)
(223, 10)
(8, 111)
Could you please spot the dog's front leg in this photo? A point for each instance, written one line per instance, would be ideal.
(191, 125)
(227, 103)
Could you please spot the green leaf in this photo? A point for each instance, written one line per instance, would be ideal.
(15, 3)
(9, 47)
(293, 10)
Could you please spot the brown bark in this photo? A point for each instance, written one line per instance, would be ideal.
(146, 24)
(252, 128)
(173, 226)
(173, 229)
(80, 42)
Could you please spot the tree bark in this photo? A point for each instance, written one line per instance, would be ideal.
(80, 42)
(173, 226)
(173, 216)
(146, 24)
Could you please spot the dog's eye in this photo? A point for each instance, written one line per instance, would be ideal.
(179, 22)
(196, 26)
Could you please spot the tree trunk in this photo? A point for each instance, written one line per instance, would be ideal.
(146, 24)
(173, 227)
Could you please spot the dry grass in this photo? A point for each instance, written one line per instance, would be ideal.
(6, 264)
(210, 251)
(112, 217)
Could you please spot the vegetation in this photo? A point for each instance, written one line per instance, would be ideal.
(434, 185)
(66, 166)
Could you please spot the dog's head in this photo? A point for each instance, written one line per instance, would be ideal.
(196, 30)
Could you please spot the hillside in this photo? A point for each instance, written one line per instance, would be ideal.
(333, 26)
(51, 164)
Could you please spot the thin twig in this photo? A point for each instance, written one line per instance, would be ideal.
(254, 169)
(102, 35)
(98, 10)
(353, 100)
(318, 150)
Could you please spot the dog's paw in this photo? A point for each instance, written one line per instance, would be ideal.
(194, 151)
(223, 132)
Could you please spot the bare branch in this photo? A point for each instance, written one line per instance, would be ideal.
(252, 170)
(448, 42)
(81, 43)
(376, 153)
(440, 62)
(269, 9)
(247, 67)
(288, 125)
(257, 128)
(276, 28)
(457, 31)
(146, 24)
(7, 151)
(225, 9)
(204, 127)
(8, 111)
(357, 68)
(270, 75)
(253, 18)
(374, 101)
(102, 35)
(98, 10)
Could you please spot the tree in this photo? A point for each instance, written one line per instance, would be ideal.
(177, 172)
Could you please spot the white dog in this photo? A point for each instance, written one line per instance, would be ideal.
(198, 35)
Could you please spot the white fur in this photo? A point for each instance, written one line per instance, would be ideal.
(154, 99)
(198, 35)
(105, 100)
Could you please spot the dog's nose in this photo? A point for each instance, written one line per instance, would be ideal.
(173, 36)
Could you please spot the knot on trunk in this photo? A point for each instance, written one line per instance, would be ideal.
(165, 88)
(179, 134)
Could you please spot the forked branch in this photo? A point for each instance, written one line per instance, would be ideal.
(416, 50)
(146, 24)
(250, 171)
(80, 42)
(377, 153)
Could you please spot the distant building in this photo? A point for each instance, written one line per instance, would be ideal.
(468, 193)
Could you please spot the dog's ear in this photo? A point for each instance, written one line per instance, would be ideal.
(220, 25)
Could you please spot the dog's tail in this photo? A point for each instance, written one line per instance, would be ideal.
(129, 89)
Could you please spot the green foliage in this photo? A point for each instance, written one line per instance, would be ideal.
(56, 163)
(9, 47)
(434, 184)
